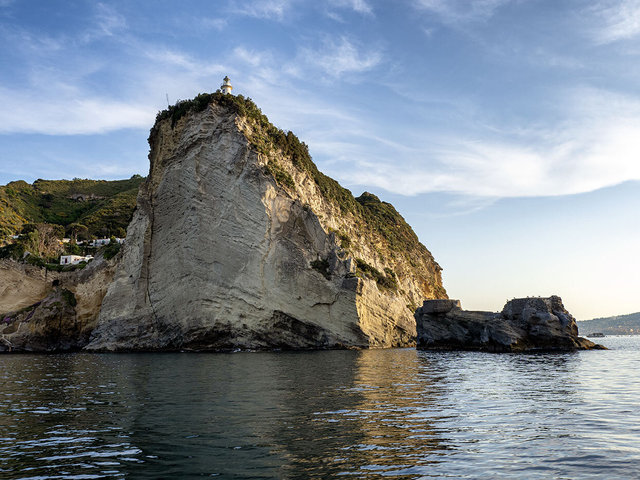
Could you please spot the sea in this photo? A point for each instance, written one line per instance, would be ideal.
(374, 414)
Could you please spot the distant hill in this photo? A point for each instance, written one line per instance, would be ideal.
(618, 325)
(104, 207)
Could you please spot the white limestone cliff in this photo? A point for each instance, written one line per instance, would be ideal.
(220, 254)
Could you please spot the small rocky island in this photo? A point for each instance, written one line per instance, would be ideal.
(523, 325)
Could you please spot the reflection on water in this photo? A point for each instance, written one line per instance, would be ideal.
(370, 414)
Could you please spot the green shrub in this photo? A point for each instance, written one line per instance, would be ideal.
(387, 282)
(111, 250)
(282, 176)
(69, 297)
(345, 241)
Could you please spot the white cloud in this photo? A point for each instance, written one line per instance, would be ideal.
(597, 145)
(215, 23)
(251, 57)
(107, 23)
(58, 95)
(359, 6)
(461, 11)
(269, 9)
(620, 20)
(26, 113)
(337, 57)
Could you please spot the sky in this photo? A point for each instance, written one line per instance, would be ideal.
(506, 132)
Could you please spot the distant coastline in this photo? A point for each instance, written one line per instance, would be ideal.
(616, 325)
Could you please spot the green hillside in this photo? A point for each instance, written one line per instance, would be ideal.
(618, 325)
(104, 207)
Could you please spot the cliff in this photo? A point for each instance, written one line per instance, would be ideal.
(47, 311)
(524, 325)
(238, 241)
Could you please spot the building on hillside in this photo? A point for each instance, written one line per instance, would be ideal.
(74, 259)
(226, 86)
(100, 242)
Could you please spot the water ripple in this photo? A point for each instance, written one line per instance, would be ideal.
(396, 414)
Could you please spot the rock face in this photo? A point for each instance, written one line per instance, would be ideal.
(50, 311)
(524, 325)
(234, 245)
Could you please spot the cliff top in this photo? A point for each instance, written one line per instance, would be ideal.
(378, 216)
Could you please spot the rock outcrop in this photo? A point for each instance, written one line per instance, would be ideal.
(47, 311)
(237, 241)
(524, 325)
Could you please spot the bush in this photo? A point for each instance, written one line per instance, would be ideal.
(388, 281)
(69, 297)
(111, 250)
(282, 176)
(345, 241)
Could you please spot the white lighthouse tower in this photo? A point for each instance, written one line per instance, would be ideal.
(226, 86)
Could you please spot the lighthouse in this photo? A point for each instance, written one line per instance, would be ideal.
(226, 86)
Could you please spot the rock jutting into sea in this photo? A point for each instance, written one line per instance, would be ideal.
(237, 241)
(524, 325)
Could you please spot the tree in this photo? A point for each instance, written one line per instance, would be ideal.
(77, 231)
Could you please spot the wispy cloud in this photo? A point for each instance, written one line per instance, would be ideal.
(213, 22)
(25, 113)
(58, 95)
(269, 9)
(339, 56)
(108, 22)
(619, 20)
(251, 57)
(360, 6)
(597, 145)
(461, 11)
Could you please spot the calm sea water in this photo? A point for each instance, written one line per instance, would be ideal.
(398, 414)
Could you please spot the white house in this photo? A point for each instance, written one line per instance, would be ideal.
(99, 242)
(74, 259)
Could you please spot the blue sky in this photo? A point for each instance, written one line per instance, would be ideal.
(507, 132)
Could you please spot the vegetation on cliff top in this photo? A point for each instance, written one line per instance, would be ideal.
(380, 217)
(103, 207)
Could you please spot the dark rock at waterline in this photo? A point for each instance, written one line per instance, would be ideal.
(524, 325)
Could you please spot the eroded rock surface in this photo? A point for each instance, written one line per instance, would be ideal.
(55, 311)
(524, 325)
(221, 255)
